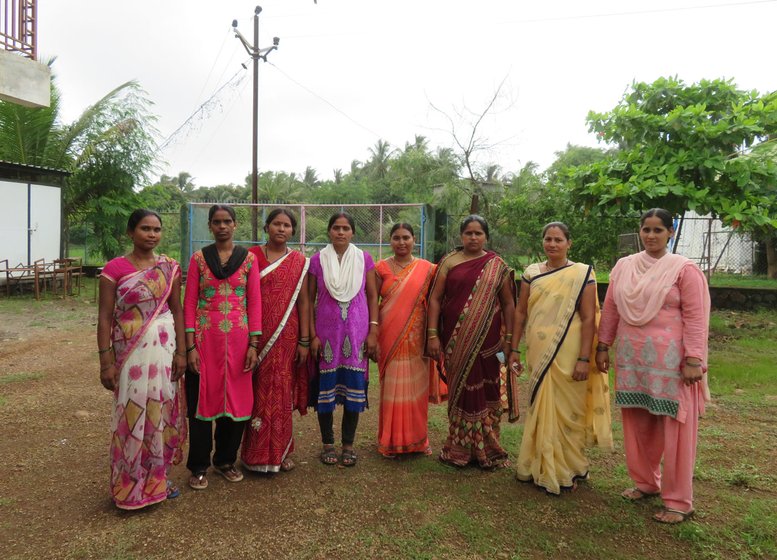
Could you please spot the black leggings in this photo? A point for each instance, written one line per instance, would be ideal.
(228, 434)
(326, 422)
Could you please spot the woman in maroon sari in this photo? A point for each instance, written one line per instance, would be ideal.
(472, 297)
(280, 384)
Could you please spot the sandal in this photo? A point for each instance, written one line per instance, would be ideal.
(172, 490)
(678, 516)
(328, 455)
(287, 465)
(230, 473)
(348, 458)
(635, 494)
(198, 481)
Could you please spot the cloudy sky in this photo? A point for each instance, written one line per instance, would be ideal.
(349, 72)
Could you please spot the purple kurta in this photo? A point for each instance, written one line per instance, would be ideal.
(342, 329)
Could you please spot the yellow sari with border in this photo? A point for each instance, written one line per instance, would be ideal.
(564, 415)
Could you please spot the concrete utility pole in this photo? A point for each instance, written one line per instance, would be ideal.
(255, 53)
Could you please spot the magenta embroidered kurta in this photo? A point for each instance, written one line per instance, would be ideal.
(223, 314)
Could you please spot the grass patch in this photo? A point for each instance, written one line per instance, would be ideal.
(9, 378)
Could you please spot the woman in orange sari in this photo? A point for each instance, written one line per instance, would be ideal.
(403, 282)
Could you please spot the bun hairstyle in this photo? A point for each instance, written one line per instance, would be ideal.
(474, 218)
(226, 208)
(138, 215)
(401, 225)
(661, 214)
(277, 212)
(345, 215)
(560, 225)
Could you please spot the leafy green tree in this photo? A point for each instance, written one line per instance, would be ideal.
(108, 150)
(688, 147)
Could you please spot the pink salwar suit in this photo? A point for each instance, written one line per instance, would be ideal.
(657, 313)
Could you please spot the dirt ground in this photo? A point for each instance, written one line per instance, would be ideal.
(54, 499)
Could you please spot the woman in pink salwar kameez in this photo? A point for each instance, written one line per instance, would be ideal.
(657, 314)
(140, 343)
(223, 315)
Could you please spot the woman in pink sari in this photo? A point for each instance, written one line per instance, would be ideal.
(280, 383)
(140, 342)
(223, 317)
(403, 283)
(657, 314)
(472, 296)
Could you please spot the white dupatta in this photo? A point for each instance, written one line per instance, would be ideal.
(343, 278)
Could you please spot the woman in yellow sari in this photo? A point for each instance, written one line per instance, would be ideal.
(403, 283)
(569, 401)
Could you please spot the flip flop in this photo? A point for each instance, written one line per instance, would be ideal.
(198, 481)
(287, 465)
(230, 473)
(634, 494)
(172, 490)
(684, 516)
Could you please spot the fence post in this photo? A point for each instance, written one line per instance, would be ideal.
(302, 228)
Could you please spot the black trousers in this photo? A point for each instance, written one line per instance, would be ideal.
(228, 435)
(326, 423)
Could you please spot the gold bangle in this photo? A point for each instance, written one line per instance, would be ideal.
(431, 337)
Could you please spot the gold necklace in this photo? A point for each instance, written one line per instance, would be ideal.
(549, 268)
(395, 265)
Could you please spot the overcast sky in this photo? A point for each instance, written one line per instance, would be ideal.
(349, 72)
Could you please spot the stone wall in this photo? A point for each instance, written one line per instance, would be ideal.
(743, 299)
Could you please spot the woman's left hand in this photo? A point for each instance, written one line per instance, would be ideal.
(302, 354)
(179, 367)
(692, 374)
(581, 371)
(251, 359)
(372, 346)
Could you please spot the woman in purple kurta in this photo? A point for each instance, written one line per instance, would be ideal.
(344, 334)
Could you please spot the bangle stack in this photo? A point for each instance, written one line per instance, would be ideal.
(431, 333)
(602, 348)
(508, 337)
(254, 345)
(304, 341)
(191, 348)
(105, 350)
(586, 360)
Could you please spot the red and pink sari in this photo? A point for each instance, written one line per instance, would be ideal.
(148, 424)
(405, 373)
(470, 333)
(280, 387)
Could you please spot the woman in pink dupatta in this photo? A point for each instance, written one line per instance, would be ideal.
(472, 296)
(140, 343)
(403, 283)
(657, 312)
(280, 381)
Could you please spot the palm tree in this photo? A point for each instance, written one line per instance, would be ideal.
(109, 151)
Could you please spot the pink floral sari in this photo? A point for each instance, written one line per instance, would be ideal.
(148, 427)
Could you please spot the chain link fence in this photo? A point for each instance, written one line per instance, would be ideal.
(716, 248)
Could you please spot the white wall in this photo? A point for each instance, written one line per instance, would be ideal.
(45, 222)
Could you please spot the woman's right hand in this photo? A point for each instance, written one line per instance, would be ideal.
(193, 361)
(603, 360)
(315, 348)
(433, 348)
(109, 377)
